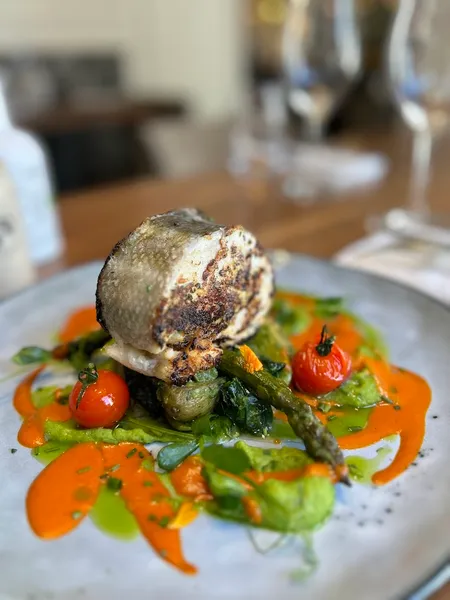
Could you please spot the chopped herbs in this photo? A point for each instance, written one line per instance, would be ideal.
(13, 450)
(152, 518)
(388, 400)
(131, 453)
(141, 455)
(114, 468)
(355, 428)
(164, 521)
(84, 470)
(332, 418)
(147, 464)
(77, 514)
(114, 484)
(148, 483)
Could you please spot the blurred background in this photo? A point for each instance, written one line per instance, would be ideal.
(89, 76)
(313, 122)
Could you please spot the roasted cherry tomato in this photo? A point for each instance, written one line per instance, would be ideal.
(99, 398)
(320, 367)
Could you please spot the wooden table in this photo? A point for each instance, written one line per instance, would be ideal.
(94, 221)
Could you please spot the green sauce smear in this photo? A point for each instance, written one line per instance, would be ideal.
(362, 469)
(111, 516)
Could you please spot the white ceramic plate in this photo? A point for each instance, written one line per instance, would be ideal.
(381, 542)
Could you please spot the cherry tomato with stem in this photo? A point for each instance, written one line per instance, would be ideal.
(320, 367)
(99, 398)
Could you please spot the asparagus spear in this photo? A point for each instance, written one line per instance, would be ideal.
(319, 442)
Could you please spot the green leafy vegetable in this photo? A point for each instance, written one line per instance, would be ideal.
(329, 308)
(31, 355)
(273, 367)
(230, 459)
(114, 484)
(274, 459)
(214, 428)
(250, 414)
(291, 317)
(360, 391)
(374, 345)
(80, 351)
(319, 442)
(174, 454)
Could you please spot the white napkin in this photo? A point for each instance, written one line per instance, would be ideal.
(422, 266)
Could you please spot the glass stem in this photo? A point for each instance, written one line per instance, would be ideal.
(315, 130)
(422, 149)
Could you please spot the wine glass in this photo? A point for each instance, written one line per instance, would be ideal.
(321, 55)
(321, 58)
(418, 62)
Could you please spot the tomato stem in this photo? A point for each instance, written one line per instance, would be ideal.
(86, 377)
(326, 342)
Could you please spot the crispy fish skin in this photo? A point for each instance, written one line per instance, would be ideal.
(177, 288)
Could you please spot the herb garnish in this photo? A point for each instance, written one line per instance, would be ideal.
(84, 470)
(388, 400)
(131, 453)
(13, 450)
(114, 468)
(77, 514)
(114, 484)
(148, 483)
(164, 521)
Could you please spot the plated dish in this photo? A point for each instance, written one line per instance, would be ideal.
(200, 390)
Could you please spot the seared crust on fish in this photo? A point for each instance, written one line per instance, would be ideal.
(177, 289)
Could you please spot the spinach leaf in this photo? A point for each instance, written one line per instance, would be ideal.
(30, 355)
(250, 414)
(273, 367)
(214, 428)
(230, 459)
(80, 351)
(328, 308)
(172, 455)
(291, 317)
(274, 459)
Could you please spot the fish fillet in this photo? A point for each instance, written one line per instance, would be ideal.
(177, 289)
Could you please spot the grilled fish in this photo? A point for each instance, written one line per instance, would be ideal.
(178, 289)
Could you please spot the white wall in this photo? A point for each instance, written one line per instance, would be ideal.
(190, 48)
